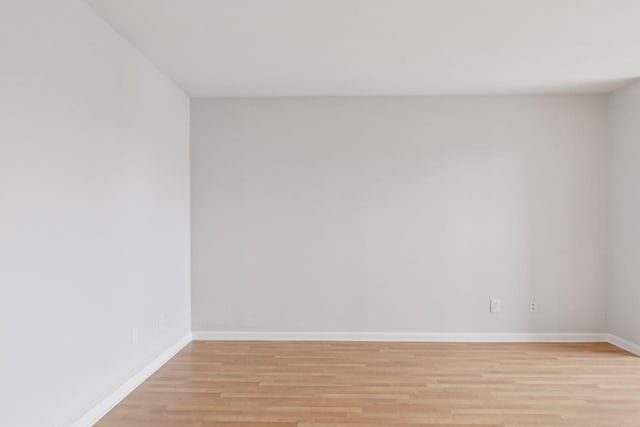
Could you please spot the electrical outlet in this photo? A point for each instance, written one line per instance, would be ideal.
(494, 305)
(135, 337)
(533, 307)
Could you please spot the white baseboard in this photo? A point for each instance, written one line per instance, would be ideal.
(624, 344)
(101, 409)
(398, 336)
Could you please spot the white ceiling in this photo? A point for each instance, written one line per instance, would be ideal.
(224, 48)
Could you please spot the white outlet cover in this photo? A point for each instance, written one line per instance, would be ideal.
(495, 305)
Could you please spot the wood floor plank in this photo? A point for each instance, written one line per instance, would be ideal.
(356, 384)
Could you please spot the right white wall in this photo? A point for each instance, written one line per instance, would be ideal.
(624, 217)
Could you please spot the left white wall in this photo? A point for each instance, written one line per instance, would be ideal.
(94, 211)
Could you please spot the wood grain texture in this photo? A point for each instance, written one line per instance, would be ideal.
(354, 384)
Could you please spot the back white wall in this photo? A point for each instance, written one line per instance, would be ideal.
(94, 212)
(399, 214)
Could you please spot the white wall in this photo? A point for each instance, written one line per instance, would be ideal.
(94, 211)
(624, 218)
(401, 215)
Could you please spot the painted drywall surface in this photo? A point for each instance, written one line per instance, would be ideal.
(384, 47)
(399, 214)
(94, 211)
(624, 216)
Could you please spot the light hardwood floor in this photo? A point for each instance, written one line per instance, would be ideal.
(321, 384)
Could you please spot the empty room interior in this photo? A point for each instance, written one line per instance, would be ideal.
(319, 213)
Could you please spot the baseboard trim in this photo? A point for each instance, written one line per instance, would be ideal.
(101, 409)
(624, 344)
(398, 337)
